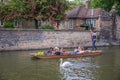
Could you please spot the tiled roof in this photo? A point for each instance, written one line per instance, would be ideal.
(77, 12)
(93, 13)
(83, 12)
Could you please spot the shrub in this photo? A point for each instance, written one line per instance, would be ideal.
(8, 25)
(87, 27)
(47, 27)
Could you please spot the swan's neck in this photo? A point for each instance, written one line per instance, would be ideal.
(61, 61)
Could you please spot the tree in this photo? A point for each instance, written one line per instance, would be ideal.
(73, 4)
(106, 4)
(34, 10)
(58, 11)
(55, 10)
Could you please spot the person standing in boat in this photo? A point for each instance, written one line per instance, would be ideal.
(94, 38)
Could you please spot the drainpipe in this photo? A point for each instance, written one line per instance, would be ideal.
(91, 19)
(114, 27)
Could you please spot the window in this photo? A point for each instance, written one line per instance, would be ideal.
(94, 23)
(71, 24)
(88, 22)
(16, 24)
(91, 22)
(39, 23)
(1, 0)
(1, 23)
(63, 24)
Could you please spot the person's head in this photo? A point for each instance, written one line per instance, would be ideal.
(81, 48)
(94, 30)
(56, 49)
(77, 47)
(51, 48)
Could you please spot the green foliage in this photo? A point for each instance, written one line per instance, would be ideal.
(8, 24)
(47, 27)
(34, 10)
(86, 26)
(118, 8)
(106, 4)
(75, 3)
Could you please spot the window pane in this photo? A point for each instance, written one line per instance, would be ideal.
(63, 24)
(15, 23)
(1, 22)
(71, 24)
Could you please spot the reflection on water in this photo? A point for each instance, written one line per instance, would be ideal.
(82, 69)
(18, 65)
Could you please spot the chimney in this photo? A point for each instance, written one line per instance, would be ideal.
(88, 4)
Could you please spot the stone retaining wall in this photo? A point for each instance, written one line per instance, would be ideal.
(39, 39)
(42, 39)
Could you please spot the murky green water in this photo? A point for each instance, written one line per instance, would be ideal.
(18, 65)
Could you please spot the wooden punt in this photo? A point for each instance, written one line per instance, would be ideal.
(86, 54)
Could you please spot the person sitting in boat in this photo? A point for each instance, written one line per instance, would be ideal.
(84, 50)
(50, 51)
(57, 51)
(81, 50)
(76, 51)
(63, 52)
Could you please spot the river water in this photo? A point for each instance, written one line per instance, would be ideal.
(18, 65)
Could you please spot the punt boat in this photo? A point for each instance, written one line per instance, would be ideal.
(85, 54)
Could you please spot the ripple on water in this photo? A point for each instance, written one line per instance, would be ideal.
(81, 70)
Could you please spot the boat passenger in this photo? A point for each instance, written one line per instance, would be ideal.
(63, 52)
(81, 49)
(76, 51)
(50, 51)
(57, 51)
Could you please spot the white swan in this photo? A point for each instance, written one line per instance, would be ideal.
(65, 64)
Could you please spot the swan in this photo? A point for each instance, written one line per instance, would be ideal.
(65, 64)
